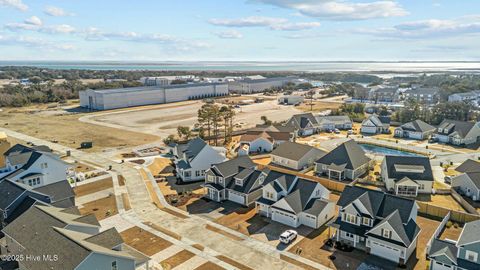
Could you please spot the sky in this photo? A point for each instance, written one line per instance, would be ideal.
(240, 30)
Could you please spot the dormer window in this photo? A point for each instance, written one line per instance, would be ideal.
(386, 233)
(261, 178)
(366, 221)
(238, 182)
(350, 218)
(471, 255)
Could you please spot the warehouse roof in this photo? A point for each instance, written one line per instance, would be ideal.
(150, 88)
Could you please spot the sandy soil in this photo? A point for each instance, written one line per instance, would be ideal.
(65, 129)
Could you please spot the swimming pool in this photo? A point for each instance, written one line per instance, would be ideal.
(384, 151)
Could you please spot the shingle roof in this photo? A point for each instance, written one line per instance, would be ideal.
(443, 248)
(294, 151)
(233, 166)
(470, 233)
(9, 192)
(377, 202)
(349, 153)
(271, 136)
(337, 119)
(57, 191)
(108, 239)
(415, 168)
(455, 127)
(417, 126)
(406, 232)
(469, 165)
(301, 120)
(192, 148)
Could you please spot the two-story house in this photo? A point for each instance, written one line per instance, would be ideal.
(64, 240)
(192, 159)
(379, 223)
(237, 180)
(295, 156)
(34, 166)
(407, 176)
(346, 161)
(375, 124)
(460, 254)
(416, 130)
(457, 132)
(305, 124)
(423, 95)
(294, 201)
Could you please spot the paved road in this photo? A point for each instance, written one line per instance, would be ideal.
(250, 252)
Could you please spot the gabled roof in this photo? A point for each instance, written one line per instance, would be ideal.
(454, 127)
(108, 239)
(233, 166)
(417, 126)
(192, 148)
(469, 165)
(337, 119)
(273, 128)
(378, 203)
(473, 176)
(443, 248)
(349, 153)
(271, 136)
(9, 191)
(415, 168)
(423, 90)
(301, 121)
(294, 151)
(378, 121)
(57, 191)
(470, 233)
(406, 232)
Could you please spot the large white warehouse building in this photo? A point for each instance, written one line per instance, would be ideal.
(248, 86)
(136, 96)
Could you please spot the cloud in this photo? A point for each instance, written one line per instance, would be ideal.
(56, 12)
(18, 4)
(231, 34)
(270, 22)
(304, 36)
(34, 20)
(428, 29)
(34, 43)
(340, 10)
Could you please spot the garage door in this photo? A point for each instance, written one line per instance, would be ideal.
(310, 221)
(284, 218)
(235, 197)
(385, 251)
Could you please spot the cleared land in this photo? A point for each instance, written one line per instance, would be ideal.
(93, 187)
(102, 208)
(143, 241)
(65, 128)
(177, 259)
(319, 106)
(209, 266)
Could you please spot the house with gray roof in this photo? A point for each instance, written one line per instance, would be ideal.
(472, 96)
(460, 133)
(305, 124)
(295, 156)
(34, 166)
(294, 201)
(462, 253)
(237, 180)
(416, 130)
(332, 122)
(379, 223)
(375, 124)
(423, 95)
(192, 159)
(346, 161)
(468, 182)
(67, 241)
(407, 176)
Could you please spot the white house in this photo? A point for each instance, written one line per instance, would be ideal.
(379, 223)
(34, 166)
(194, 158)
(263, 141)
(417, 130)
(375, 125)
(457, 132)
(295, 156)
(407, 176)
(296, 202)
(331, 122)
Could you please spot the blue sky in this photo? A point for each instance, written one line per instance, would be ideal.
(268, 30)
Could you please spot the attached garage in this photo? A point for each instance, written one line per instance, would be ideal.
(284, 218)
(236, 197)
(309, 220)
(385, 251)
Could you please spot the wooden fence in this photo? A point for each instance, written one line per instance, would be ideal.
(466, 205)
(440, 212)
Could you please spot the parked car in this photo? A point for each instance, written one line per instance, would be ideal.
(288, 236)
(337, 131)
(350, 132)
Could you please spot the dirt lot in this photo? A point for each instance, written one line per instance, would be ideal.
(318, 106)
(209, 266)
(177, 259)
(451, 233)
(445, 201)
(144, 241)
(93, 187)
(158, 165)
(73, 132)
(102, 208)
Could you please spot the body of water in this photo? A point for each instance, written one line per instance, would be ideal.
(384, 151)
(368, 67)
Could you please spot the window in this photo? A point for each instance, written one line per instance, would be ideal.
(114, 265)
(269, 195)
(366, 221)
(197, 173)
(211, 178)
(386, 233)
(238, 182)
(471, 255)
(351, 218)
